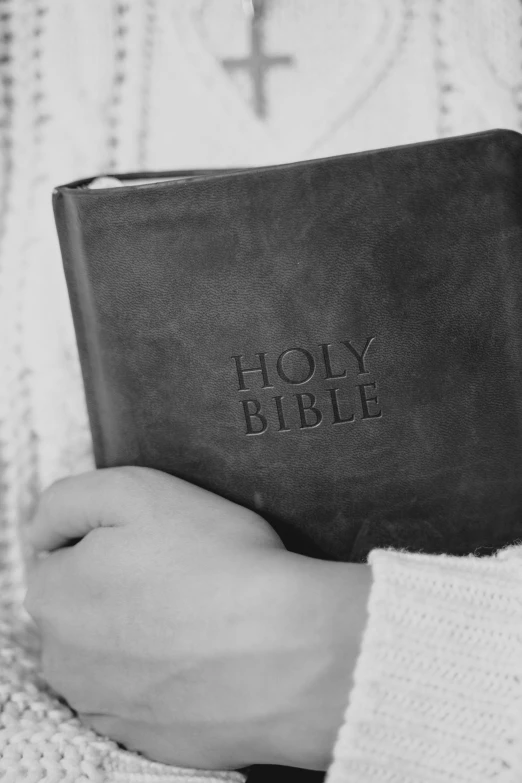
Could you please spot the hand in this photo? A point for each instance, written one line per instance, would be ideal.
(176, 623)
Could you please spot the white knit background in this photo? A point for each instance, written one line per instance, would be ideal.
(94, 86)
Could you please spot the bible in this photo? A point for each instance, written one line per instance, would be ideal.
(335, 344)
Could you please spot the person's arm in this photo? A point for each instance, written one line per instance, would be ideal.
(438, 683)
(176, 623)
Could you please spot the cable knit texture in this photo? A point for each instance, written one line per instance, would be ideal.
(438, 684)
(98, 86)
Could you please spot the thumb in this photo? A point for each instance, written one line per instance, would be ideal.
(70, 508)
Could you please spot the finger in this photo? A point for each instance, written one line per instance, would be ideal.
(72, 507)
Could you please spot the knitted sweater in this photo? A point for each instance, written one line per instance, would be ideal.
(99, 86)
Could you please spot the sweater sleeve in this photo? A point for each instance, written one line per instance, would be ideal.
(437, 694)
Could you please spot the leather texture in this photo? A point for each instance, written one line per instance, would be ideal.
(379, 297)
(412, 252)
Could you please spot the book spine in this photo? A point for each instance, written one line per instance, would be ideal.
(75, 266)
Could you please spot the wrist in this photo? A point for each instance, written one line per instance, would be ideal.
(323, 610)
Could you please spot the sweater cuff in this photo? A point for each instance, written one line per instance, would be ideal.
(437, 692)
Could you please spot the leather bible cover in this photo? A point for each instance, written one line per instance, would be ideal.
(335, 344)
